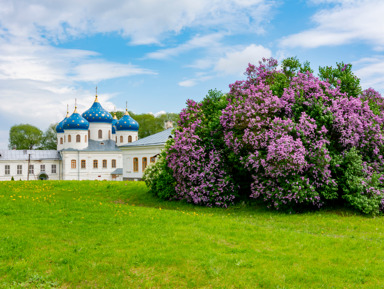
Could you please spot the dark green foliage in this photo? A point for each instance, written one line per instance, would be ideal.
(358, 190)
(49, 140)
(342, 76)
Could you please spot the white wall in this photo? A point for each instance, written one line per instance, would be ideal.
(59, 136)
(106, 129)
(125, 134)
(74, 144)
(89, 172)
(24, 176)
(129, 153)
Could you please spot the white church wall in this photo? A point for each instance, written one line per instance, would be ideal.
(19, 169)
(105, 128)
(74, 169)
(75, 142)
(139, 152)
(123, 137)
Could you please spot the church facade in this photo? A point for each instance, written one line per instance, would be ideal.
(90, 146)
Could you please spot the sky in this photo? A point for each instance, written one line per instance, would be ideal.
(156, 54)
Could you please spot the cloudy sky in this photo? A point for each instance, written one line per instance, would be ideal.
(156, 54)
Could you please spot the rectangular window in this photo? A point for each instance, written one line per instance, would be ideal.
(135, 164)
(7, 169)
(31, 169)
(152, 159)
(83, 164)
(42, 168)
(104, 164)
(95, 164)
(73, 164)
(19, 169)
(144, 164)
(53, 169)
(113, 163)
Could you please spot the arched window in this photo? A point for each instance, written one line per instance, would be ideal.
(136, 137)
(144, 164)
(104, 164)
(116, 138)
(113, 163)
(64, 139)
(152, 159)
(77, 138)
(69, 138)
(121, 139)
(100, 133)
(83, 164)
(85, 138)
(109, 134)
(61, 140)
(129, 138)
(95, 164)
(135, 164)
(73, 164)
(89, 133)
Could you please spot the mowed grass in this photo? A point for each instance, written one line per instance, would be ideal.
(90, 234)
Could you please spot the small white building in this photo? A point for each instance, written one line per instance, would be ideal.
(91, 146)
(137, 155)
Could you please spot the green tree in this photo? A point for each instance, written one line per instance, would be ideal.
(25, 136)
(49, 139)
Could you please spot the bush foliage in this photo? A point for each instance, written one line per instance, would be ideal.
(284, 136)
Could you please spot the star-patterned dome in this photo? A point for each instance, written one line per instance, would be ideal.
(114, 122)
(127, 123)
(97, 113)
(76, 121)
(60, 125)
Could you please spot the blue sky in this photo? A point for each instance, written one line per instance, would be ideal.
(156, 54)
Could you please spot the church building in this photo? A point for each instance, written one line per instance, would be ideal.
(90, 146)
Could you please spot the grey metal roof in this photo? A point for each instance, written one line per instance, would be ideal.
(117, 172)
(93, 145)
(16, 155)
(159, 138)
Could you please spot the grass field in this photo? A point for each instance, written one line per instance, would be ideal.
(89, 234)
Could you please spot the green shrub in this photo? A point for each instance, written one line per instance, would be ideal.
(159, 177)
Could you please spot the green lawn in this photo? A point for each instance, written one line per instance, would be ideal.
(90, 234)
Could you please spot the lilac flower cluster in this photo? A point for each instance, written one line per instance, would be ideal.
(199, 171)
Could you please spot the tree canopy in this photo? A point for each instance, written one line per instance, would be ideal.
(25, 137)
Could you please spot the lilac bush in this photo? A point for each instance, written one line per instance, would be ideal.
(293, 133)
(197, 158)
(286, 137)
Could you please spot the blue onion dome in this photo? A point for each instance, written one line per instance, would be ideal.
(114, 120)
(76, 121)
(60, 125)
(127, 123)
(97, 113)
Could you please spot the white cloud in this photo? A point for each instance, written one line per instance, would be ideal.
(143, 21)
(236, 62)
(206, 41)
(345, 22)
(371, 72)
(187, 83)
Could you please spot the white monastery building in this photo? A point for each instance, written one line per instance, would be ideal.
(90, 146)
